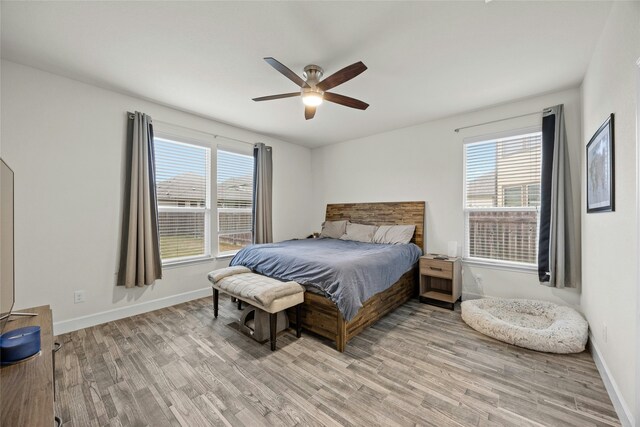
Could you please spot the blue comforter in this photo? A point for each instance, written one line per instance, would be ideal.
(348, 272)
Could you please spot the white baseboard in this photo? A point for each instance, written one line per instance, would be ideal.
(71, 325)
(622, 409)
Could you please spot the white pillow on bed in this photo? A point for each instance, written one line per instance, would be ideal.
(394, 234)
(359, 232)
(333, 229)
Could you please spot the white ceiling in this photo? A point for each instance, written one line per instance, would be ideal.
(426, 59)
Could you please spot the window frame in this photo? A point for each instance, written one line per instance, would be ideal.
(235, 150)
(212, 142)
(490, 262)
(178, 139)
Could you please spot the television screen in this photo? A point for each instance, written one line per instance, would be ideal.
(6, 243)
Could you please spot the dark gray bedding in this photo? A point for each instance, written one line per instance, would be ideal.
(349, 273)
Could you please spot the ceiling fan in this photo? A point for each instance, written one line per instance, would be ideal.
(314, 91)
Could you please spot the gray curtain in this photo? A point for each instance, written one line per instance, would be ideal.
(140, 262)
(558, 244)
(262, 183)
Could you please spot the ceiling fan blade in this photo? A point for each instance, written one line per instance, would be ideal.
(286, 72)
(309, 112)
(344, 75)
(345, 100)
(282, 95)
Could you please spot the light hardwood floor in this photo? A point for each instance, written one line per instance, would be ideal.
(418, 365)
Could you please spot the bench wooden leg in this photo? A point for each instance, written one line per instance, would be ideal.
(215, 303)
(273, 320)
(239, 304)
(299, 320)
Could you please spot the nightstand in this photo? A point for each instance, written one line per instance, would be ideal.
(440, 281)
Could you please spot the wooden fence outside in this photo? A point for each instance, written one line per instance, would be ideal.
(510, 236)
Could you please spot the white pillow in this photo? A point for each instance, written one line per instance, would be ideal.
(359, 232)
(333, 229)
(394, 234)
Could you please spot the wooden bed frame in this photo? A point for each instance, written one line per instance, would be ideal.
(321, 316)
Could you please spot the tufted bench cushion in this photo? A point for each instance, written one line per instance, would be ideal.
(264, 292)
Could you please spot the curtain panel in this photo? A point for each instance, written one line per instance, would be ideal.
(558, 245)
(262, 194)
(140, 261)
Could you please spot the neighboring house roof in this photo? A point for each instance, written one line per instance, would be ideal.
(186, 186)
(192, 187)
(482, 186)
(240, 188)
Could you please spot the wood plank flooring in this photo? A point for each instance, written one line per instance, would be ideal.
(419, 365)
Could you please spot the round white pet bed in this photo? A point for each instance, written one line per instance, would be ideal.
(537, 325)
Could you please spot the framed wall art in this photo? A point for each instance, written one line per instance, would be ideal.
(601, 169)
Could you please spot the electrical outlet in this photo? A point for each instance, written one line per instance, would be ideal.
(604, 332)
(79, 297)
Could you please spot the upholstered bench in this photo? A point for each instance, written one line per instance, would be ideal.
(262, 292)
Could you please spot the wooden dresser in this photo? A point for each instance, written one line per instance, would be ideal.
(26, 388)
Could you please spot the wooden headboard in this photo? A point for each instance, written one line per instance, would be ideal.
(385, 213)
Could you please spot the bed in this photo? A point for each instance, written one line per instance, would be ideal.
(320, 314)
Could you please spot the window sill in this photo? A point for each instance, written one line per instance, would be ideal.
(199, 260)
(497, 265)
(187, 262)
(226, 255)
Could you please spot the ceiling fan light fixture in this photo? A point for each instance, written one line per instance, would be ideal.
(313, 90)
(312, 99)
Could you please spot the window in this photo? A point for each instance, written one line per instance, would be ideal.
(533, 195)
(235, 201)
(513, 196)
(182, 185)
(502, 196)
(522, 195)
(191, 225)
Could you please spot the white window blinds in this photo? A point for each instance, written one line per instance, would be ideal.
(502, 195)
(235, 200)
(182, 184)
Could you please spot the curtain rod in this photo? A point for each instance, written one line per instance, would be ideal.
(131, 116)
(546, 110)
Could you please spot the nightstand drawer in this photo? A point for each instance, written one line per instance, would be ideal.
(436, 268)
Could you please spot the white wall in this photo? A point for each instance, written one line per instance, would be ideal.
(425, 162)
(65, 141)
(610, 251)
